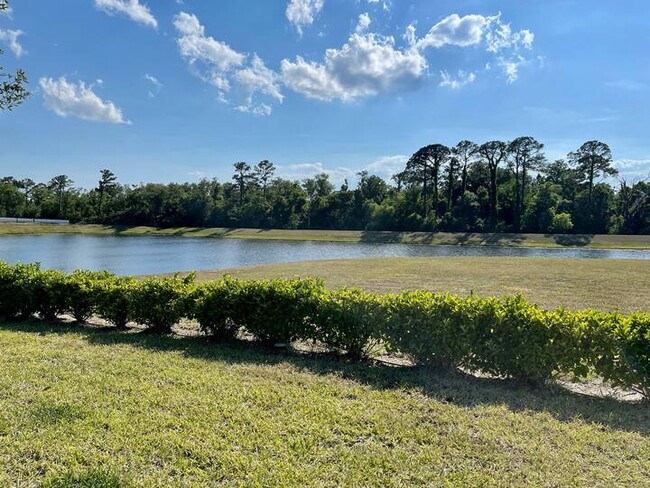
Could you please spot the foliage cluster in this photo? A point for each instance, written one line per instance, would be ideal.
(497, 186)
(507, 337)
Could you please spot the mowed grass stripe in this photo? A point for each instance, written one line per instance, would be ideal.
(160, 411)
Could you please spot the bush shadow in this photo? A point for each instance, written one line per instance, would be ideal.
(454, 387)
(443, 238)
(574, 240)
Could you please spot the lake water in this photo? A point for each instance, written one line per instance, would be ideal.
(150, 255)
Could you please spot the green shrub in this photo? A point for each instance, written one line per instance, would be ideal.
(113, 300)
(634, 337)
(615, 347)
(160, 303)
(49, 293)
(349, 320)
(514, 339)
(506, 337)
(212, 306)
(431, 329)
(17, 293)
(275, 311)
(80, 291)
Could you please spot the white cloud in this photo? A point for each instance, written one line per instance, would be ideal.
(11, 38)
(386, 4)
(367, 64)
(132, 8)
(308, 170)
(257, 78)
(68, 98)
(633, 169)
(154, 81)
(387, 166)
(510, 67)
(157, 85)
(235, 75)
(454, 30)
(302, 13)
(503, 38)
(363, 23)
(218, 57)
(497, 37)
(462, 79)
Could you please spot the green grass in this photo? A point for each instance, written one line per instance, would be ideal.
(603, 284)
(431, 238)
(87, 407)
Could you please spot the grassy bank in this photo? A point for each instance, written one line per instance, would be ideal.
(141, 410)
(603, 284)
(431, 238)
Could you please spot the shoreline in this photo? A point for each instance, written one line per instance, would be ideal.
(588, 241)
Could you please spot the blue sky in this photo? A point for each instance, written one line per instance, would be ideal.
(170, 90)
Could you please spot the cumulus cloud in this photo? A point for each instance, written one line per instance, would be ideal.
(11, 38)
(302, 13)
(387, 166)
(131, 8)
(497, 38)
(368, 64)
(66, 98)
(236, 75)
(633, 169)
(454, 30)
(462, 78)
(363, 23)
(384, 166)
(257, 78)
(301, 171)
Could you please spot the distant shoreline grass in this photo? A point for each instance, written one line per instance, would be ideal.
(425, 238)
(604, 284)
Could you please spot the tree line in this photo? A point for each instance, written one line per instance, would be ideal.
(497, 186)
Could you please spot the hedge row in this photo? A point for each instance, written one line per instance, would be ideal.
(506, 337)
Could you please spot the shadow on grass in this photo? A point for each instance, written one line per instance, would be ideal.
(452, 387)
(577, 240)
(459, 238)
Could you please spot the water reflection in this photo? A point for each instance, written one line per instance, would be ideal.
(149, 255)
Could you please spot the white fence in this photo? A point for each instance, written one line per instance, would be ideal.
(32, 221)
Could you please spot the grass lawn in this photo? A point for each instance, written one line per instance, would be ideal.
(80, 404)
(604, 284)
(540, 240)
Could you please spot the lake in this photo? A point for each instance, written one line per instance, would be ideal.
(151, 255)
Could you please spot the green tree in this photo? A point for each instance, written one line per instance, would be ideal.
(60, 185)
(466, 152)
(243, 177)
(525, 155)
(12, 86)
(107, 183)
(264, 171)
(493, 153)
(424, 166)
(591, 160)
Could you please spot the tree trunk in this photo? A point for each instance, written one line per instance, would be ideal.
(523, 194)
(463, 183)
(493, 195)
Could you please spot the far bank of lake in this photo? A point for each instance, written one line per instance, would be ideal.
(586, 241)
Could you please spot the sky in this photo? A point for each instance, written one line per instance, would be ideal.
(178, 90)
